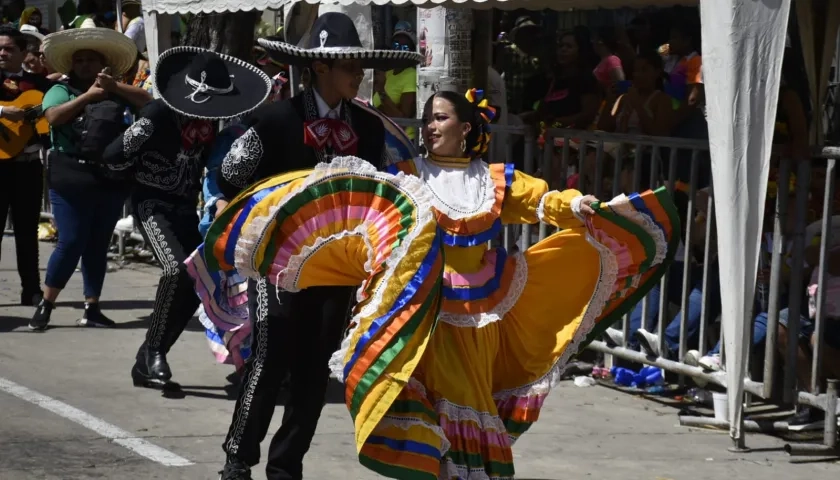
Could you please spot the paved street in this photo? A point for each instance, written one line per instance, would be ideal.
(68, 411)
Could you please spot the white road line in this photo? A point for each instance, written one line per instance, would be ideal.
(101, 427)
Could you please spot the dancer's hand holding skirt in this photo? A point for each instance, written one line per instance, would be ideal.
(430, 399)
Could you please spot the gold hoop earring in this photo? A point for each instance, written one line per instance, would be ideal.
(464, 145)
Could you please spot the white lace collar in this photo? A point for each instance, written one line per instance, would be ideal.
(459, 192)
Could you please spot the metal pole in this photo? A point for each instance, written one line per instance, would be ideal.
(770, 345)
(529, 168)
(796, 272)
(825, 238)
(829, 446)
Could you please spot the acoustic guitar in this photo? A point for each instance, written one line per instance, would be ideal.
(14, 136)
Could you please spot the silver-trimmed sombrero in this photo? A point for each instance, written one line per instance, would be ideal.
(334, 37)
(203, 84)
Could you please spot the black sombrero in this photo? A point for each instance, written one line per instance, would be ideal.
(199, 83)
(333, 36)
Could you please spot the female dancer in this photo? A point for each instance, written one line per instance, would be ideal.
(453, 346)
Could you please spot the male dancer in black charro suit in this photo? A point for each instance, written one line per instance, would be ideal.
(297, 332)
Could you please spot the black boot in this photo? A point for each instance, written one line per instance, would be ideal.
(235, 470)
(42, 315)
(151, 369)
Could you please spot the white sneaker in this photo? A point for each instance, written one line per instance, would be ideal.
(613, 337)
(692, 358)
(125, 225)
(711, 363)
(648, 341)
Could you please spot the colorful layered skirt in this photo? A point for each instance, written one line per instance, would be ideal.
(429, 398)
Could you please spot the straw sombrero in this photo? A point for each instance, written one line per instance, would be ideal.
(334, 37)
(119, 51)
(203, 84)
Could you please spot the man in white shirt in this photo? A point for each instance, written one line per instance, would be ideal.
(132, 23)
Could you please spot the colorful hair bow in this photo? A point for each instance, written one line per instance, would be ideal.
(487, 113)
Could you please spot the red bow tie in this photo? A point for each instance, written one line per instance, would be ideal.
(197, 132)
(328, 132)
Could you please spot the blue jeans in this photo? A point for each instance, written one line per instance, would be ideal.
(674, 294)
(85, 222)
(806, 328)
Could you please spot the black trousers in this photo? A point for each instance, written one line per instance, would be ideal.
(22, 190)
(295, 334)
(170, 228)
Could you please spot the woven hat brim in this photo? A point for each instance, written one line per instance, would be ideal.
(119, 51)
(380, 59)
(251, 86)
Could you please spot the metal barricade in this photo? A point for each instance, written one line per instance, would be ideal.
(594, 158)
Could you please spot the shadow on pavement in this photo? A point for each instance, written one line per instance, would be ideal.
(7, 324)
(143, 323)
(106, 305)
(228, 392)
(335, 391)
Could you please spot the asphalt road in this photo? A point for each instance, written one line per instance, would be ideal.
(68, 410)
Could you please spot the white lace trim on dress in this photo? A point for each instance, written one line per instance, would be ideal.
(478, 320)
(459, 192)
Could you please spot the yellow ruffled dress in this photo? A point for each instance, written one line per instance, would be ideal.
(454, 345)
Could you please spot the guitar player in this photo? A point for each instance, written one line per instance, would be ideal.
(22, 176)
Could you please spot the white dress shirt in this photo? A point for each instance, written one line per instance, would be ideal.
(324, 110)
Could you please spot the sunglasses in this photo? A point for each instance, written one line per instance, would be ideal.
(401, 47)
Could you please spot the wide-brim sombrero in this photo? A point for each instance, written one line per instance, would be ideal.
(250, 86)
(379, 59)
(333, 36)
(119, 51)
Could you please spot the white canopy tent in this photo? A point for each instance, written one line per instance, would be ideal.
(743, 48)
(743, 45)
(207, 6)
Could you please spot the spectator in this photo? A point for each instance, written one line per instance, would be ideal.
(395, 91)
(518, 63)
(86, 202)
(22, 176)
(132, 23)
(641, 334)
(32, 62)
(73, 16)
(640, 34)
(32, 16)
(643, 110)
(684, 68)
(13, 11)
(568, 97)
(609, 71)
(805, 417)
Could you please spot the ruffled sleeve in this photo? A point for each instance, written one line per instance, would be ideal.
(528, 200)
